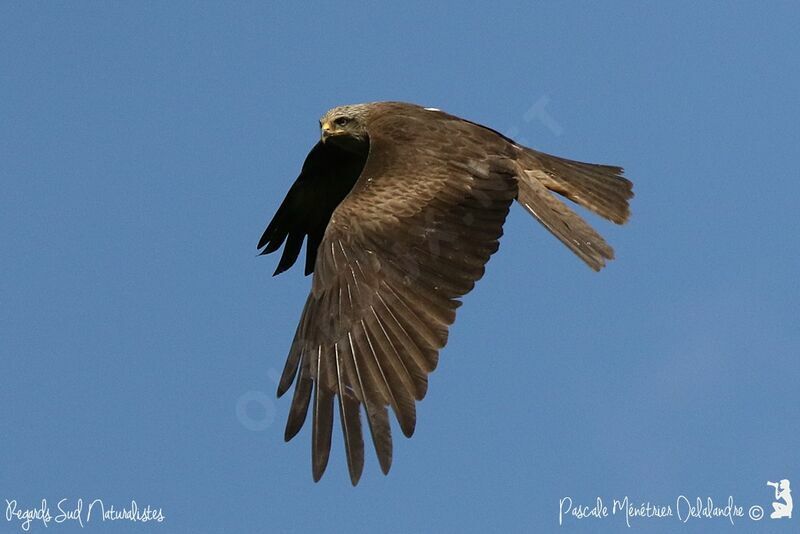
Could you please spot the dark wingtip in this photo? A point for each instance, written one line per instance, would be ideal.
(298, 409)
(408, 428)
(266, 237)
(386, 464)
(321, 430)
(319, 464)
(291, 431)
(317, 475)
(290, 252)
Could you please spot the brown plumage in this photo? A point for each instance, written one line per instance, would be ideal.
(401, 207)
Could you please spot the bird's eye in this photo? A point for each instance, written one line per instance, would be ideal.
(341, 121)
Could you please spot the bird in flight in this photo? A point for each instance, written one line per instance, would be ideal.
(401, 207)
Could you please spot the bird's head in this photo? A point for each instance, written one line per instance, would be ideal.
(345, 126)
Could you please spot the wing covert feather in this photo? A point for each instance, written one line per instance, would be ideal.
(410, 239)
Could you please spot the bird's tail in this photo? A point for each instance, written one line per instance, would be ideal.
(599, 188)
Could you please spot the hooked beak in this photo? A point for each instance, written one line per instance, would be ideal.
(327, 131)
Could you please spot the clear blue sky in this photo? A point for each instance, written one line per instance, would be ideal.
(144, 146)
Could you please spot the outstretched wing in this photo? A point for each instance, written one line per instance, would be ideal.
(328, 175)
(410, 239)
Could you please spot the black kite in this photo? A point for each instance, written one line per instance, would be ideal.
(402, 206)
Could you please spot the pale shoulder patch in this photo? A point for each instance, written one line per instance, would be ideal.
(432, 109)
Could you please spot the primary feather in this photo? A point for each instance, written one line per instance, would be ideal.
(401, 207)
